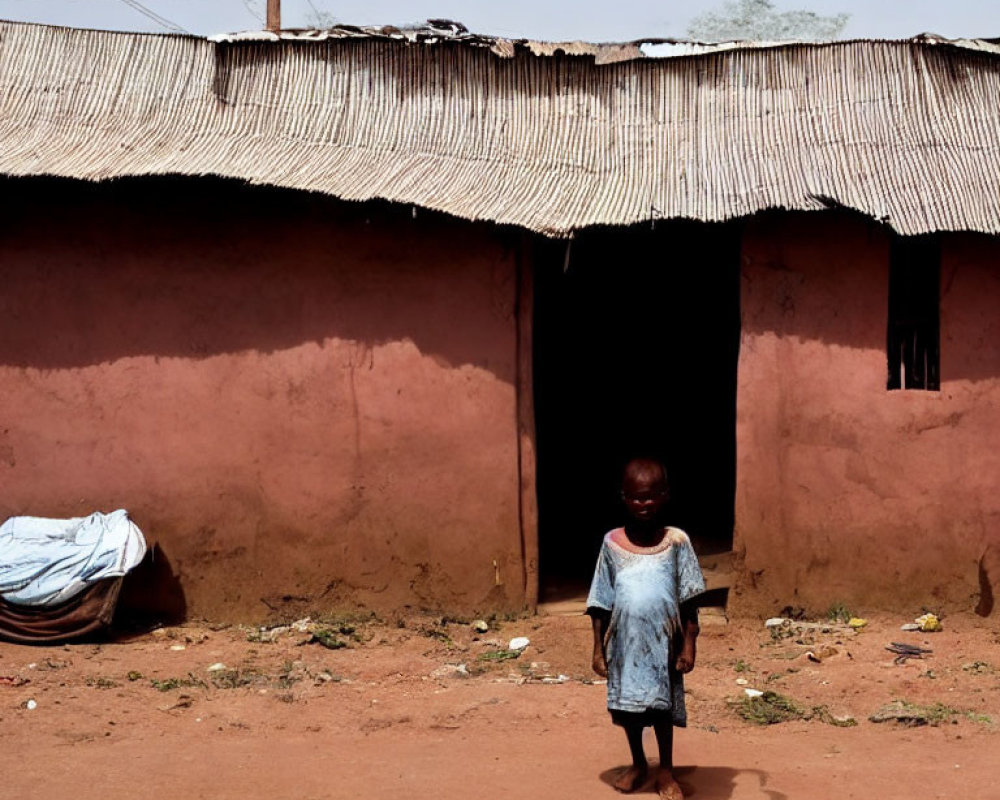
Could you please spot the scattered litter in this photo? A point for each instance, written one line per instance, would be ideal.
(742, 682)
(904, 651)
(304, 625)
(159, 633)
(929, 623)
(787, 628)
(266, 634)
(31, 705)
(857, 623)
(753, 693)
(183, 701)
(821, 654)
(910, 626)
(217, 667)
(518, 643)
(557, 679)
(177, 647)
(480, 626)
(451, 671)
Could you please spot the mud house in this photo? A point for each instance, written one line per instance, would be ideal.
(370, 317)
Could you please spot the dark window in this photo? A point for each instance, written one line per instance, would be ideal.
(913, 340)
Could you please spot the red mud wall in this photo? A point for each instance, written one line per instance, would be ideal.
(309, 405)
(848, 492)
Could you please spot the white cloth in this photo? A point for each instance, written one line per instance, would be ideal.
(44, 562)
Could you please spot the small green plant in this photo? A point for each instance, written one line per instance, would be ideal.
(328, 638)
(236, 678)
(169, 684)
(839, 612)
(288, 676)
(498, 655)
(134, 675)
(435, 633)
(101, 683)
(978, 668)
(741, 666)
(768, 709)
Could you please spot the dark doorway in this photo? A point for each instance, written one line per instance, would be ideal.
(636, 336)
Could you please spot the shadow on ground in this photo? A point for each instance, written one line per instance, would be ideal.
(705, 783)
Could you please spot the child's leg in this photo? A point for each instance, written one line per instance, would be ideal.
(665, 783)
(633, 777)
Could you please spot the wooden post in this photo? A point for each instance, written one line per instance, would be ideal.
(526, 418)
(274, 15)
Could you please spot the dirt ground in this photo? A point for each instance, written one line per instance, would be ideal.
(394, 714)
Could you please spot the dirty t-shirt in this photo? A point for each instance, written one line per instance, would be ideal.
(643, 588)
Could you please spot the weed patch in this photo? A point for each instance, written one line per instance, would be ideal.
(498, 655)
(769, 709)
(169, 684)
(328, 638)
(913, 715)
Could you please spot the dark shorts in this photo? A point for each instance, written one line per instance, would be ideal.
(642, 719)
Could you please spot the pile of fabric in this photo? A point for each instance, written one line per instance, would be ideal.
(60, 578)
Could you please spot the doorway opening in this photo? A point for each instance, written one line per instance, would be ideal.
(636, 339)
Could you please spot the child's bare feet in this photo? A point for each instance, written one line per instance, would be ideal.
(630, 779)
(667, 787)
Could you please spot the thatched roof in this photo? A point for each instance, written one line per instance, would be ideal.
(904, 132)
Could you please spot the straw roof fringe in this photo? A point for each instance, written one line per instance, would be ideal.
(904, 132)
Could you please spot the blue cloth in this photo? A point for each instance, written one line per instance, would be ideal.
(44, 562)
(643, 592)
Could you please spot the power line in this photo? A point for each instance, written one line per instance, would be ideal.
(253, 11)
(162, 21)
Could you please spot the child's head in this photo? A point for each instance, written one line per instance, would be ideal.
(644, 488)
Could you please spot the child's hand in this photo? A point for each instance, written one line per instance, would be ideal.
(684, 664)
(600, 665)
(685, 660)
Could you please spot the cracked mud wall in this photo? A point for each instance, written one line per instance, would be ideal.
(847, 492)
(309, 405)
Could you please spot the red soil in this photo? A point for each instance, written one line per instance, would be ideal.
(391, 722)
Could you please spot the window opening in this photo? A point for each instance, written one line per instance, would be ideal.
(913, 340)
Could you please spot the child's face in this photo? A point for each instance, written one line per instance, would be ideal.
(644, 495)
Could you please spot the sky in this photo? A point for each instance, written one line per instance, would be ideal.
(554, 20)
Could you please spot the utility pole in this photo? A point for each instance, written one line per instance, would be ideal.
(274, 15)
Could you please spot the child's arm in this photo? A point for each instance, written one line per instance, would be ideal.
(690, 630)
(599, 617)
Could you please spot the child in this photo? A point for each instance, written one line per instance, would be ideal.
(644, 625)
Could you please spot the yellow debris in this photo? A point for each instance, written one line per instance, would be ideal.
(857, 623)
(928, 623)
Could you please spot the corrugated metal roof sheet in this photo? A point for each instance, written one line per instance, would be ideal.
(905, 132)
